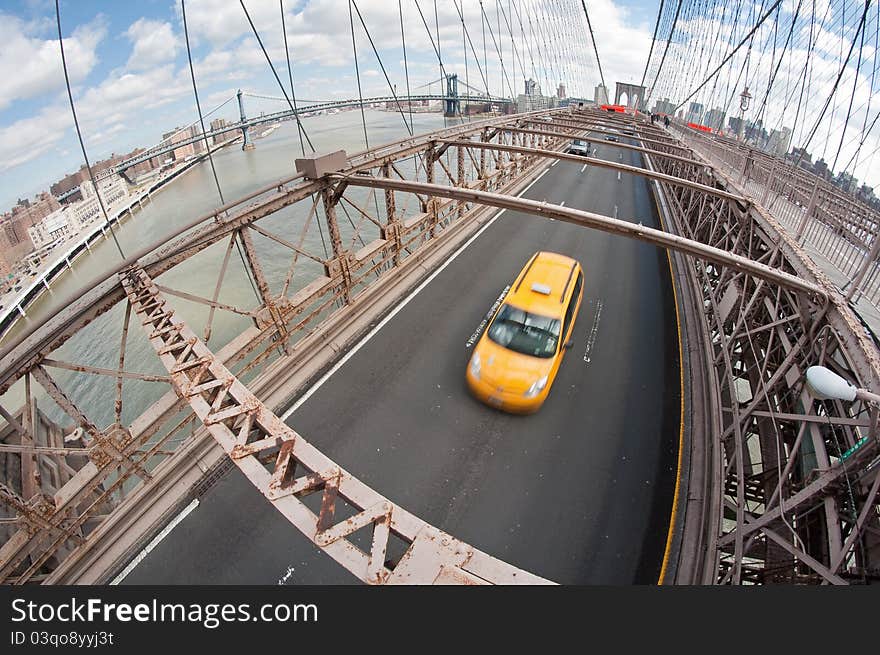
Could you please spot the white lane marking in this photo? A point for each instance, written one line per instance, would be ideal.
(562, 204)
(615, 211)
(583, 168)
(591, 340)
(554, 163)
(283, 579)
(393, 313)
(618, 175)
(155, 542)
(476, 335)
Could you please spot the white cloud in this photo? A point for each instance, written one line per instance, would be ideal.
(31, 66)
(32, 137)
(153, 44)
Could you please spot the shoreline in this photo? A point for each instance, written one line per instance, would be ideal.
(81, 244)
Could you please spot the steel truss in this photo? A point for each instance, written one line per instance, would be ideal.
(798, 475)
(768, 313)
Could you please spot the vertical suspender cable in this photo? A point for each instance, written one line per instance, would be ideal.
(653, 39)
(274, 72)
(79, 133)
(299, 127)
(198, 104)
(405, 63)
(358, 74)
(665, 50)
(596, 49)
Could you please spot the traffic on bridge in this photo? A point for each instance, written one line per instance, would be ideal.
(328, 349)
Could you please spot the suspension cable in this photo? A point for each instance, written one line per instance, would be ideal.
(358, 74)
(274, 72)
(79, 133)
(198, 104)
(735, 50)
(382, 66)
(405, 62)
(299, 127)
(653, 39)
(595, 48)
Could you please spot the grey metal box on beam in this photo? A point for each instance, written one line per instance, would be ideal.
(319, 165)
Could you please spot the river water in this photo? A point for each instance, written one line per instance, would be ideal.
(193, 194)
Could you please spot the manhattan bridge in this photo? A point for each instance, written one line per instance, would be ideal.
(715, 421)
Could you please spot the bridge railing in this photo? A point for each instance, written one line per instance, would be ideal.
(827, 220)
(792, 481)
(92, 430)
(798, 475)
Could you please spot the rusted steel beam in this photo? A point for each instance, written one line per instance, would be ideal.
(603, 163)
(246, 429)
(93, 370)
(213, 304)
(597, 221)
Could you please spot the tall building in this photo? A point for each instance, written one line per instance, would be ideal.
(560, 92)
(58, 225)
(532, 88)
(176, 136)
(601, 95)
(218, 124)
(533, 103)
(715, 118)
(779, 141)
(695, 113)
(15, 242)
(664, 107)
(111, 187)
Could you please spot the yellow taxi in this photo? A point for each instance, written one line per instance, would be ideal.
(517, 357)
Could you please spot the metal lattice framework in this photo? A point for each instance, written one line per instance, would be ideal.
(798, 476)
(778, 500)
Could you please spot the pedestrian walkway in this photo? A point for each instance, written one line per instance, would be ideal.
(789, 215)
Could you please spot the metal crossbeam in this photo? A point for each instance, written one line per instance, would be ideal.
(248, 432)
(790, 489)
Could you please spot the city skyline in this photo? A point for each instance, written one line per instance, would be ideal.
(130, 77)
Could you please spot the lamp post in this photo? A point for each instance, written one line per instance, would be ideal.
(744, 99)
(827, 385)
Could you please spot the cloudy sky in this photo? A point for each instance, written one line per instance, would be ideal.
(128, 64)
(801, 47)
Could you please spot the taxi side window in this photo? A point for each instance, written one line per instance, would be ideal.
(572, 304)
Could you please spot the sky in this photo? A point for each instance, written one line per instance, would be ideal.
(801, 47)
(131, 81)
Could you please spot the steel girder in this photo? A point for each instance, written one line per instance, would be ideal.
(799, 491)
(67, 464)
(375, 238)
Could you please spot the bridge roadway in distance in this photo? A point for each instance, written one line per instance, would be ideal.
(579, 493)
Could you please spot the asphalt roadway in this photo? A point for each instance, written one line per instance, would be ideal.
(579, 493)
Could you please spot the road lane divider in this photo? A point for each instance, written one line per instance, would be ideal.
(308, 394)
(155, 542)
(591, 339)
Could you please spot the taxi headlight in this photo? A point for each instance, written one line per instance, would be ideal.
(475, 366)
(536, 388)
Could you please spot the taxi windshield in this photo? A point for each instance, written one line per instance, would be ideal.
(522, 332)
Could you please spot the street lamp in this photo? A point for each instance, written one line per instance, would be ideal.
(827, 385)
(744, 99)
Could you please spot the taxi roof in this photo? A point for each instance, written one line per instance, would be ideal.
(547, 269)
